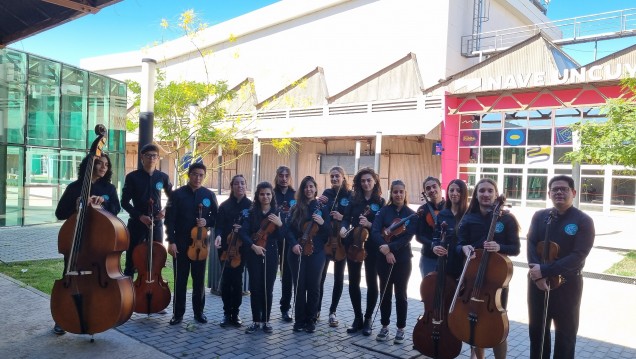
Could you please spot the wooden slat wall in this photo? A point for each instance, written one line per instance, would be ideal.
(407, 159)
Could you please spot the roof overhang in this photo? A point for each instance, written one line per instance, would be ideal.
(20, 19)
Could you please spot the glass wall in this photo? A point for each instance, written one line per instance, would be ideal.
(48, 112)
(521, 150)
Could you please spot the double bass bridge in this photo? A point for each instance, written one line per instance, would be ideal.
(81, 272)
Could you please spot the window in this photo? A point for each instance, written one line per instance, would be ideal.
(74, 111)
(566, 116)
(13, 90)
(540, 137)
(44, 103)
(490, 155)
(541, 118)
(516, 119)
(514, 155)
(491, 120)
(491, 138)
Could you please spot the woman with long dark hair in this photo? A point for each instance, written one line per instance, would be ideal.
(394, 265)
(307, 230)
(366, 202)
(262, 225)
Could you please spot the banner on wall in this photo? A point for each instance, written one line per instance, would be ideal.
(538, 156)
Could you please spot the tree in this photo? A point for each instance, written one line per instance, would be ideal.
(191, 117)
(614, 141)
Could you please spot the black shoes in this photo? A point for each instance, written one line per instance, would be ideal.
(252, 328)
(356, 326)
(225, 321)
(299, 327)
(201, 318)
(285, 316)
(176, 320)
(310, 327)
(58, 330)
(267, 328)
(236, 320)
(366, 327)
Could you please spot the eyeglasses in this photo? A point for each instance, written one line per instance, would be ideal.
(151, 156)
(560, 189)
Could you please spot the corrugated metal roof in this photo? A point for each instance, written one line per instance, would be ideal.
(308, 91)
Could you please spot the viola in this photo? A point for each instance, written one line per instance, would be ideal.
(356, 251)
(93, 295)
(310, 229)
(232, 253)
(152, 293)
(397, 227)
(199, 249)
(431, 334)
(479, 318)
(266, 228)
(431, 217)
(550, 252)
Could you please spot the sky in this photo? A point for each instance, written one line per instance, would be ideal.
(133, 24)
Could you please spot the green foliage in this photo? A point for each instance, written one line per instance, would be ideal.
(614, 141)
(626, 267)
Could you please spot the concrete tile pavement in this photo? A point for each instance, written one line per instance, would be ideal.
(606, 330)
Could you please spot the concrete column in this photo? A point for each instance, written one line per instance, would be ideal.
(147, 104)
(378, 151)
(256, 154)
(356, 162)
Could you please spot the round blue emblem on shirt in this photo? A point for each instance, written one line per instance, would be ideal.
(571, 229)
(499, 228)
(105, 197)
(159, 186)
(292, 203)
(344, 202)
(319, 212)
(206, 202)
(375, 207)
(245, 212)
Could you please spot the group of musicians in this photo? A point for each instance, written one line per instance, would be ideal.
(296, 232)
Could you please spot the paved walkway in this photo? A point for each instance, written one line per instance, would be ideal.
(607, 319)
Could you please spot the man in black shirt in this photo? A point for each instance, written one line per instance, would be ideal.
(140, 186)
(182, 214)
(285, 195)
(573, 231)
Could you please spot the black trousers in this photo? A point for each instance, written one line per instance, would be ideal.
(262, 272)
(397, 281)
(183, 265)
(232, 287)
(306, 273)
(338, 283)
(563, 309)
(371, 276)
(138, 234)
(286, 276)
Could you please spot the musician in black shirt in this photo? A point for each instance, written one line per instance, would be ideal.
(139, 187)
(285, 200)
(573, 231)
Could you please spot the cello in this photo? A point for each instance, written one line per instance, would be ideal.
(356, 251)
(93, 295)
(431, 335)
(199, 249)
(479, 318)
(152, 294)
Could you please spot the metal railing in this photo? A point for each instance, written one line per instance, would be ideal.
(603, 26)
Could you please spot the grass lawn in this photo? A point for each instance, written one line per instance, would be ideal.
(626, 267)
(42, 274)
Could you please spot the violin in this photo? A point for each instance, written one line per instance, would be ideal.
(479, 318)
(152, 293)
(431, 217)
(232, 253)
(267, 227)
(431, 334)
(550, 252)
(310, 229)
(356, 251)
(199, 249)
(397, 227)
(334, 249)
(93, 295)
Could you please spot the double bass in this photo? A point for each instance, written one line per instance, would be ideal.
(200, 248)
(93, 295)
(478, 317)
(431, 334)
(152, 293)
